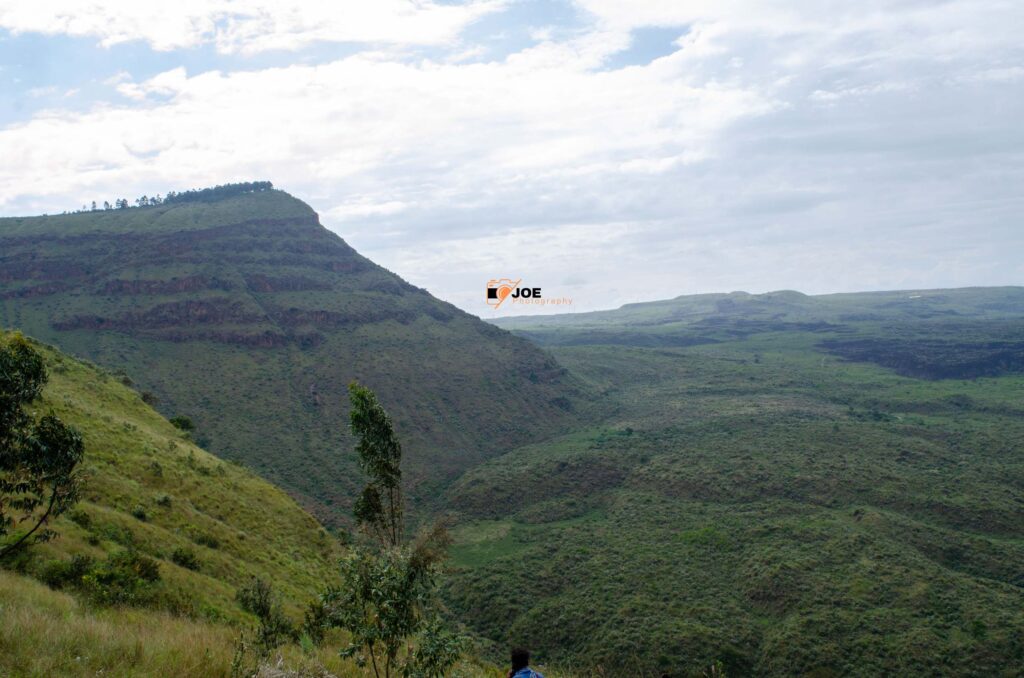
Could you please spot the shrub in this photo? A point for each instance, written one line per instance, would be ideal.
(139, 512)
(258, 598)
(60, 573)
(315, 622)
(164, 501)
(185, 557)
(39, 478)
(124, 578)
(207, 540)
(183, 423)
(80, 518)
(120, 535)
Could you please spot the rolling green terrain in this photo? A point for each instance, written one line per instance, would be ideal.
(757, 492)
(786, 484)
(245, 314)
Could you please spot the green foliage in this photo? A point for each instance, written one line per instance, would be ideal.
(185, 557)
(22, 377)
(245, 522)
(257, 597)
(124, 578)
(777, 510)
(80, 518)
(217, 192)
(60, 572)
(380, 506)
(387, 598)
(315, 621)
(207, 540)
(38, 458)
(437, 649)
(182, 422)
(386, 602)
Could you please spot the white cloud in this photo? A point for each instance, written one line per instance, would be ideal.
(356, 209)
(37, 92)
(246, 26)
(819, 146)
(457, 127)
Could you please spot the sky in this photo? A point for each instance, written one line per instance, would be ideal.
(606, 151)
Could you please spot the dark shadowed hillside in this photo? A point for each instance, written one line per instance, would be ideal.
(247, 315)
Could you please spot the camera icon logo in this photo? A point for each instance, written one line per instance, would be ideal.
(499, 290)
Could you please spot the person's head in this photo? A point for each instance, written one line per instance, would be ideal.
(520, 658)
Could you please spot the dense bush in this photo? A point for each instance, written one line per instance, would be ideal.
(182, 422)
(66, 573)
(124, 578)
(185, 557)
(38, 457)
(315, 621)
(80, 518)
(258, 598)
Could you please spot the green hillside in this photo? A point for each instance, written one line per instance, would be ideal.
(785, 484)
(248, 316)
(149, 489)
(756, 494)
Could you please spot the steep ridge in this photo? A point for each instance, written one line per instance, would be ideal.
(247, 315)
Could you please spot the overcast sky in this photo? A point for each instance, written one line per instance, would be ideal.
(605, 150)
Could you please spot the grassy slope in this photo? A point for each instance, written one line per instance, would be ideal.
(251, 318)
(761, 502)
(135, 458)
(46, 633)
